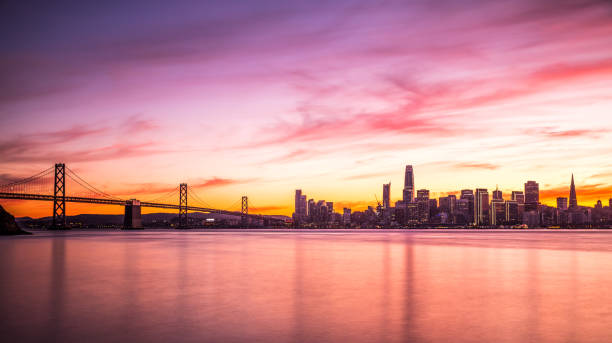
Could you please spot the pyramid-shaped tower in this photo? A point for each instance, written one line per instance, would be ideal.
(573, 202)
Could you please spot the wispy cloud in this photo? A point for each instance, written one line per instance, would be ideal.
(476, 165)
(218, 182)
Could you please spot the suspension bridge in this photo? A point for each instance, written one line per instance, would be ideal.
(53, 184)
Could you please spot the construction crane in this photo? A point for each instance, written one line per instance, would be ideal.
(378, 206)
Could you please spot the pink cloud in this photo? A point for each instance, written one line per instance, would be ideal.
(218, 182)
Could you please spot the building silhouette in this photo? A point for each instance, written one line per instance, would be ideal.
(386, 195)
(481, 207)
(562, 203)
(300, 212)
(408, 192)
(573, 201)
(519, 197)
(467, 197)
(497, 194)
(532, 196)
(497, 212)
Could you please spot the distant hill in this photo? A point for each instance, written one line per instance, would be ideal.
(115, 220)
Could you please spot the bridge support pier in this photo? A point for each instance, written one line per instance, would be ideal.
(59, 198)
(183, 221)
(244, 211)
(132, 219)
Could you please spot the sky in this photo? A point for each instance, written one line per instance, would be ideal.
(332, 97)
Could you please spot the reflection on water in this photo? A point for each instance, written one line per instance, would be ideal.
(308, 287)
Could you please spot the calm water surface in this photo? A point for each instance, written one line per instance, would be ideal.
(161, 286)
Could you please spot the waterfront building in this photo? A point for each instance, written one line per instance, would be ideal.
(468, 195)
(512, 212)
(346, 216)
(481, 206)
(448, 205)
(532, 196)
(562, 203)
(463, 213)
(300, 210)
(498, 212)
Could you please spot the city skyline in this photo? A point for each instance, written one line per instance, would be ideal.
(551, 198)
(473, 208)
(259, 99)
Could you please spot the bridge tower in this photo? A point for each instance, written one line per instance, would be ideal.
(244, 211)
(59, 197)
(183, 206)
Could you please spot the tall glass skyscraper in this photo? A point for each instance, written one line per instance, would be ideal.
(408, 193)
(532, 196)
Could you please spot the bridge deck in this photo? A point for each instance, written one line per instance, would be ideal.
(44, 197)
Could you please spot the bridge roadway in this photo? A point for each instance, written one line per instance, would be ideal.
(44, 197)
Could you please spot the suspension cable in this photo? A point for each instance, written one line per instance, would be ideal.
(28, 179)
(96, 190)
(164, 196)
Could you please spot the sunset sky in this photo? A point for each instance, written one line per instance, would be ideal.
(260, 98)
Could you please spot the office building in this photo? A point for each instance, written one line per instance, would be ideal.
(386, 195)
(463, 213)
(532, 196)
(497, 194)
(422, 194)
(562, 203)
(512, 212)
(468, 195)
(300, 211)
(346, 216)
(408, 192)
(519, 197)
(481, 207)
(497, 212)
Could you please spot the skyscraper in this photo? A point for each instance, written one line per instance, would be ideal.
(386, 195)
(519, 197)
(298, 196)
(562, 203)
(497, 194)
(481, 206)
(448, 203)
(573, 202)
(532, 196)
(497, 212)
(468, 196)
(408, 193)
(300, 206)
(512, 212)
(423, 194)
